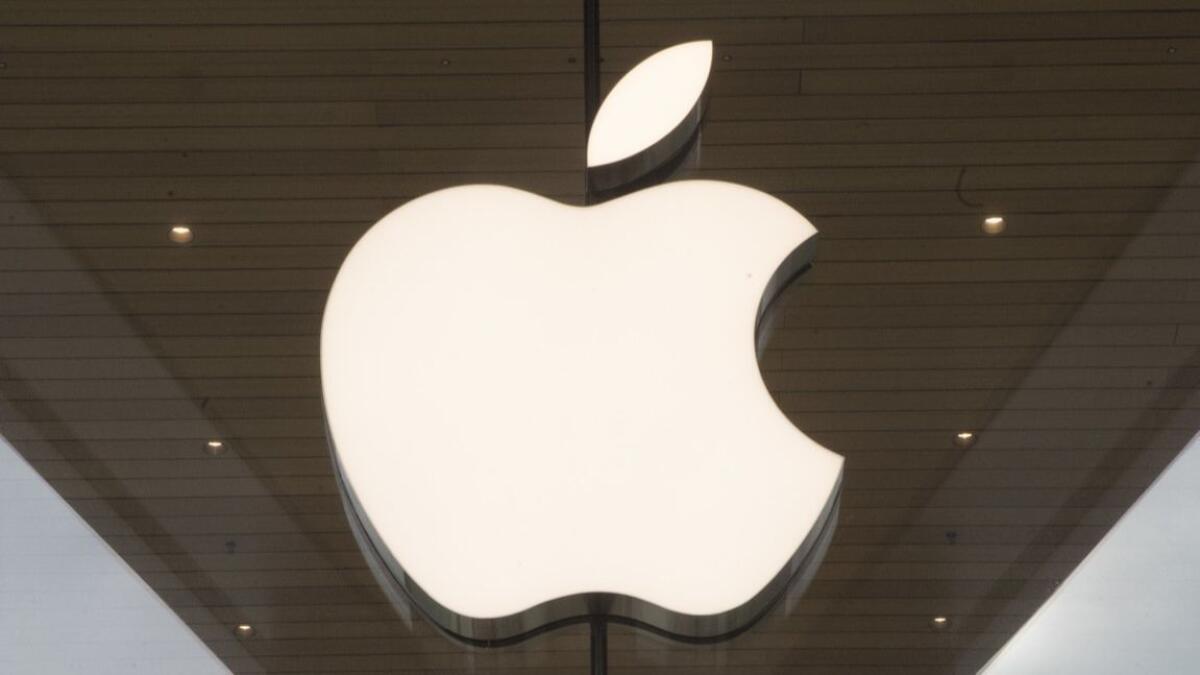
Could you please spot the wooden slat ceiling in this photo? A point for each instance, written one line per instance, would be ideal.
(281, 130)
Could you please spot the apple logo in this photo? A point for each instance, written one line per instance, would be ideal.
(541, 413)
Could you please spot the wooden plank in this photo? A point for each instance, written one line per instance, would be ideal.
(334, 88)
(833, 251)
(507, 86)
(852, 630)
(802, 312)
(497, 136)
(912, 449)
(123, 115)
(940, 131)
(366, 186)
(946, 229)
(219, 234)
(1058, 408)
(204, 507)
(1021, 224)
(381, 35)
(115, 326)
(327, 578)
(990, 80)
(1024, 400)
(813, 423)
(233, 257)
(993, 270)
(165, 448)
(181, 429)
(796, 379)
(1039, 25)
(991, 293)
(953, 105)
(247, 523)
(974, 182)
(671, 9)
(137, 347)
(1115, 296)
(803, 379)
(840, 274)
(210, 37)
(375, 611)
(168, 388)
(293, 63)
(78, 12)
(243, 524)
(139, 12)
(950, 153)
(815, 204)
(287, 138)
(1009, 248)
(992, 315)
(135, 368)
(342, 543)
(466, 113)
(851, 441)
(1008, 53)
(232, 351)
(819, 590)
(617, 59)
(475, 161)
(1027, 105)
(250, 523)
(941, 334)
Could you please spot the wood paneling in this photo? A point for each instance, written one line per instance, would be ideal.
(280, 131)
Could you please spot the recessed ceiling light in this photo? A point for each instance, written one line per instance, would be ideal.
(244, 631)
(993, 224)
(940, 622)
(215, 447)
(964, 439)
(181, 234)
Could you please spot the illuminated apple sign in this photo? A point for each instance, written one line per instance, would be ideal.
(542, 412)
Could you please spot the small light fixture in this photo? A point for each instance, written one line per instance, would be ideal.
(939, 622)
(244, 631)
(964, 439)
(993, 225)
(181, 234)
(215, 447)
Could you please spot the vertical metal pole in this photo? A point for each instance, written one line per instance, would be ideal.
(591, 60)
(591, 75)
(591, 103)
(599, 646)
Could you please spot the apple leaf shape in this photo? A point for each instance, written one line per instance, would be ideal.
(540, 412)
(650, 116)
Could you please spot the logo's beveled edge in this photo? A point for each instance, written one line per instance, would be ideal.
(651, 164)
(580, 608)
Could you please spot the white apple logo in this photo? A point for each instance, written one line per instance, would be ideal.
(541, 411)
